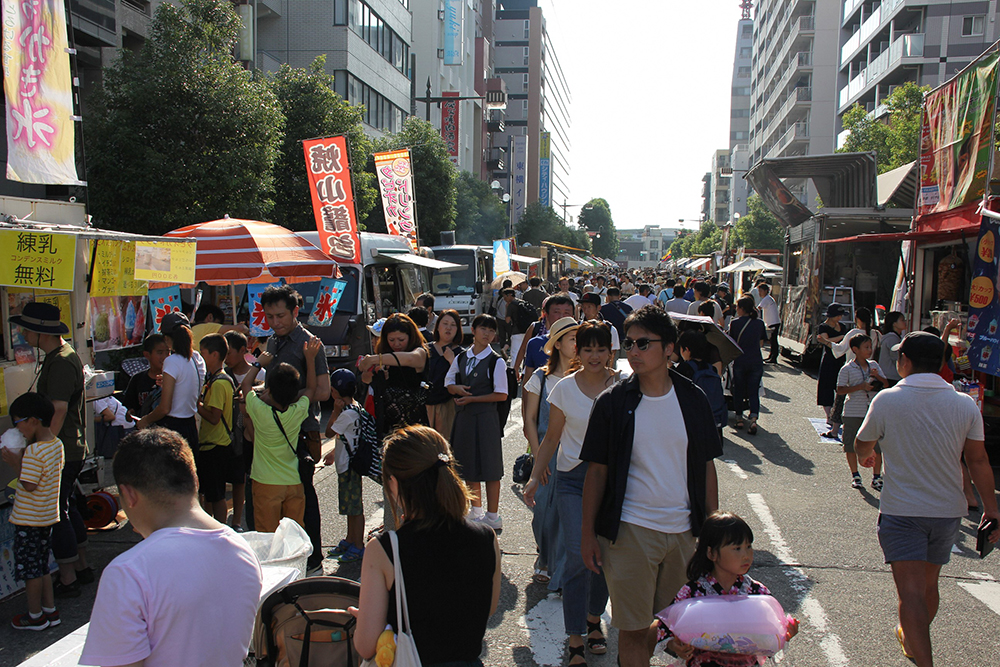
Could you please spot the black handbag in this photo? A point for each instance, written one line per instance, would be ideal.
(306, 462)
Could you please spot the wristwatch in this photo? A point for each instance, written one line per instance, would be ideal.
(256, 364)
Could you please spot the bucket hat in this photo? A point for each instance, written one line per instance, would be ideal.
(40, 318)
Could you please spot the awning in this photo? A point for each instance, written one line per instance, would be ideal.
(92, 233)
(912, 235)
(418, 260)
(898, 186)
(523, 259)
(698, 264)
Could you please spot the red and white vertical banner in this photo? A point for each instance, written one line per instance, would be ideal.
(38, 87)
(395, 182)
(333, 198)
(449, 126)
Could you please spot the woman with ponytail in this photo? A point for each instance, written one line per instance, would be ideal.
(451, 566)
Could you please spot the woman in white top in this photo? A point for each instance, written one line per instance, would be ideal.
(585, 594)
(183, 376)
(893, 330)
(862, 325)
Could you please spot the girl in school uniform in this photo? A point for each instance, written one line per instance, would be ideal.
(478, 380)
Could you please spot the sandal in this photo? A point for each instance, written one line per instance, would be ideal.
(739, 425)
(752, 429)
(597, 645)
(902, 646)
(577, 652)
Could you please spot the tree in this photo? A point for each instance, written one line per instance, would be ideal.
(433, 179)
(312, 109)
(758, 229)
(540, 223)
(894, 138)
(480, 216)
(596, 217)
(181, 133)
(707, 239)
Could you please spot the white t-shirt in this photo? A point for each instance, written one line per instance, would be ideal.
(159, 601)
(637, 301)
(769, 311)
(347, 426)
(576, 405)
(656, 494)
(850, 375)
(677, 306)
(843, 348)
(102, 404)
(534, 384)
(693, 309)
(188, 375)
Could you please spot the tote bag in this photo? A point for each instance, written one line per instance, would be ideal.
(406, 648)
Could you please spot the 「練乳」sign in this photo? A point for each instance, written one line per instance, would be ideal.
(163, 261)
(329, 173)
(395, 182)
(39, 260)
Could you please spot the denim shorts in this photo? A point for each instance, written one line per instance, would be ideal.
(917, 538)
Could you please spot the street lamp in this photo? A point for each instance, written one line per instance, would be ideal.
(586, 207)
(505, 198)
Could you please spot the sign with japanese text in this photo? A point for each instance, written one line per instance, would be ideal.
(118, 321)
(114, 270)
(519, 178)
(38, 88)
(454, 20)
(956, 138)
(165, 261)
(984, 302)
(545, 169)
(258, 322)
(162, 302)
(327, 298)
(449, 126)
(37, 260)
(395, 182)
(333, 198)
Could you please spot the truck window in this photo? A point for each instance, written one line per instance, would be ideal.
(348, 304)
(413, 282)
(459, 281)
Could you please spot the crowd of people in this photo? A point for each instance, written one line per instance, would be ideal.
(623, 484)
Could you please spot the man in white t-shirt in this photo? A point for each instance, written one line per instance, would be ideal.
(772, 319)
(702, 292)
(651, 443)
(924, 428)
(154, 603)
(643, 298)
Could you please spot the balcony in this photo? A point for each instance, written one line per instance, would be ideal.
(797, 133)
(905, 46)
(871, 25)
(797, 100)
(849, 7)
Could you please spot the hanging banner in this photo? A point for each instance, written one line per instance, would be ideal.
(117, 321)
(166, 262)
(327, 300)
(984, 302)
(395, 182)
(519, 178)
(39, 260)
(956, 138)
(544, 169)
(333, 198)
(163, 301)
(38, 88)
(114, 270)
(454, 20)
(501, 257)
(258, 322)
(449, 125)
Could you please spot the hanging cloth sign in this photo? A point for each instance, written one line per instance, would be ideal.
(327, 300)
(163, 301)
(395, 182)
(333, 198)
(258, 323)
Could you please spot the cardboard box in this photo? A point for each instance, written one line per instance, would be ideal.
(99, 385)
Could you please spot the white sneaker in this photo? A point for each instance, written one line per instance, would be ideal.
(496, 524)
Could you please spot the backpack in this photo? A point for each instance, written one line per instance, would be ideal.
(523, 315)
(366, 459)
(710, 382)
(236, 431)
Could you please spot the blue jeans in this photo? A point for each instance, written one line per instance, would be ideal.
(583, 591)
(746, 389)
(548, 534)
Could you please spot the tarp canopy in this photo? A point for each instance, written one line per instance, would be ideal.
(898, 186)
(523, 259)
(417, 260)
(749, 265)
(698, 263)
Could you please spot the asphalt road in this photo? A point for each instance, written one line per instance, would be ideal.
(815, 545)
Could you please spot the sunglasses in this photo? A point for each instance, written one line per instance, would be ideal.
(642, 343)
(18, 421)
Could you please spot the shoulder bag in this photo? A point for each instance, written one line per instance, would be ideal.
(406, 648)
(306, 463)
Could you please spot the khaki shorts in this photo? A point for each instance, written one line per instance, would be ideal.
(644, 569)
(273, 502)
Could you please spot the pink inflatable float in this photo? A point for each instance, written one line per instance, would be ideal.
(744, 624)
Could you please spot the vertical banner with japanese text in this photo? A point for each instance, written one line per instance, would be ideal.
(258, 322)
(519, 178)
(114, 270)
(395, 182)
(984, 302)
(329, 171)
(545, 169)
(39, 92)
(37, 260)
(162, 302)
(454, 24)
(327, 299)
(449, 125)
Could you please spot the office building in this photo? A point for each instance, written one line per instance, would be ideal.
(719, 197)
(739, 114)
(885, 44)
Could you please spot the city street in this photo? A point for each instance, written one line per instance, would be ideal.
(815, 545)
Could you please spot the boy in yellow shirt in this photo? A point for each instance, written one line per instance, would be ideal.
(215, 459)
(36, 506)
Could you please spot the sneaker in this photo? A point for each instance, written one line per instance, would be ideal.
(856, 482)
(85, 576)
(341, 547)
(61, 590)
(877, 483)
(315, 570)
(52, 618)
(496, 524)
(351, 554)
(25, 622)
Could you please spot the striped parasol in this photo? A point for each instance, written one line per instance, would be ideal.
(244, 251)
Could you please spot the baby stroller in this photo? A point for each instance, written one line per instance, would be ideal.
(306, 624)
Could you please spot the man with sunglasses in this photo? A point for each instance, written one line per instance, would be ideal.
(651, 444)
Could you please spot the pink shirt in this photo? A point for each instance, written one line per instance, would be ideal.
(182, 596)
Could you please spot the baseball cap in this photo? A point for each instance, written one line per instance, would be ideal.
(172, 321)
(920, 346)
(591, 297)
(834, 309)
(344, 382)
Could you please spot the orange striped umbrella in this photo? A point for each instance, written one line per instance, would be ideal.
(242, 251)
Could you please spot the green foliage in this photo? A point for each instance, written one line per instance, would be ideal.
(480, 216)
(758, 229)
(707, 239)
(597, 218)
(540, 223)
(181, 133)
(895, 138)
(433, 179)
(312, 109)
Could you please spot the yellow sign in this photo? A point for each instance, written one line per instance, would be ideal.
(165, 261)
(37, 260)
(114, 270)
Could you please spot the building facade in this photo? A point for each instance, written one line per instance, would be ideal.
(719, 198)
(739, 114)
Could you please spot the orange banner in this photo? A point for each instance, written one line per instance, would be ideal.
(333, 198)
(395, 181)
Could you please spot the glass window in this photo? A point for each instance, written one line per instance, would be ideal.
(354, 16)
(459, 281)
(973, 26)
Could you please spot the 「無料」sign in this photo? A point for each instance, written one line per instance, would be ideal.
(39, 260)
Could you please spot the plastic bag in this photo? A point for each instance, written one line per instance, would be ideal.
(744, 624)
(288, 546)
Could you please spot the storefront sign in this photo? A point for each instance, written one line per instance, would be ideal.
(454, 19)
(37, 260)
(395, 182)
(544, 169)
(258, 322)
(956, 138)
(449, 126)
(38, 88)
(333, 198)
(114, 270)
(162, 302)
(984, 302)
(165, 262)
(327, 300)
(519, 179)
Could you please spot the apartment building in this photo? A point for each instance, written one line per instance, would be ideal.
(739, 113)
(719, 192)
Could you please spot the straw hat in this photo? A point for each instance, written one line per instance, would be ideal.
(558, 330)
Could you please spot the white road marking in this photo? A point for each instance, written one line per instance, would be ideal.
(986, 591)
(546, 631)
(811, 608)
(821, 427)
(735, 467)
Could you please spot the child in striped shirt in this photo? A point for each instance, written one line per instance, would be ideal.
(36, 506)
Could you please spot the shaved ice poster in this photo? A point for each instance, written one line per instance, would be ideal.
(117, 321)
